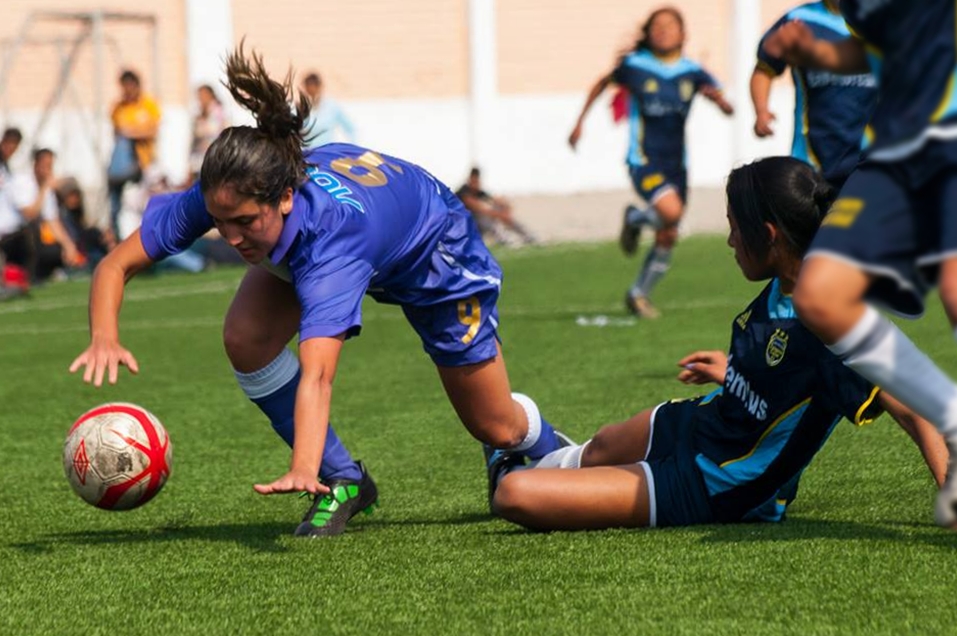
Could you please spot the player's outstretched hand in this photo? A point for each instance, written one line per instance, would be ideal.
(702, 367)
(293, 481)
(104, 358)
(792, 42)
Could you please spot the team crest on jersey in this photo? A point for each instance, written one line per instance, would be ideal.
(686, 90)
(651, 85)
(777, 347)
(742, 320)
(652, 181)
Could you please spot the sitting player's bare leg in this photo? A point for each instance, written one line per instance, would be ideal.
(622, 443)
(591, 498)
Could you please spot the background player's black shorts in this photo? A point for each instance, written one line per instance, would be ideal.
(897, 221)
(652, 181)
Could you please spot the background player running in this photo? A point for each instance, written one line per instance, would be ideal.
(324, 229)
(830, 109)
(661, 83)
(736, 454)
(892, 233)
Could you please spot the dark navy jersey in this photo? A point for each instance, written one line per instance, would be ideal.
(783, 394)
(361, 222)
(661, 94)
(911, 46)
(830, 110)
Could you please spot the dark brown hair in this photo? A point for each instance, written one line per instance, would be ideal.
(645, 41)
(261, 162)
(783, 191)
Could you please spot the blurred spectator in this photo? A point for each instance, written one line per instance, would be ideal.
(326, 115)
(136, 119)
(92, 242)
(14, 278)
(41, 244)
(492, 214)
(209, 122)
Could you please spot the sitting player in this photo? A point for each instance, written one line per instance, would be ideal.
(737, 453)
(491, 213)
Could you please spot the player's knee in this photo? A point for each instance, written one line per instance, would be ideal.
(246, 347)
(512, 500)
(667, 237)
(596, 451)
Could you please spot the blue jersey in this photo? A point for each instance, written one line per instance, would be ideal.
(782, 396)
(912, 47)
(362, 222)
(661, 94)
(830, 110)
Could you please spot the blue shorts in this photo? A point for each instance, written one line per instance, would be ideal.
(457, 316)
(897, 221)
(651, 181)
(679, 495)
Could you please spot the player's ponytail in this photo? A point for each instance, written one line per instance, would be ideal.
(258, 163)
(781, 191)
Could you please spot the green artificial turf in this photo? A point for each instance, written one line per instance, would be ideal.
(858, 554)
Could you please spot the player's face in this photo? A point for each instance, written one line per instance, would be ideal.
(8, 147)
(251, 227)
(752, 267)
(666, 34)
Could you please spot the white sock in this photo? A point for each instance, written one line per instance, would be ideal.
(567, 457)
(271, 377)
(534, 417)
(878, 350)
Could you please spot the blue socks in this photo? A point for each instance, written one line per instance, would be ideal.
(273, 390)
(540, 439)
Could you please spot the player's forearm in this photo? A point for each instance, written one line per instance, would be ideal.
(596, 91)
(106, 297)
(760, 91)
(311, 421)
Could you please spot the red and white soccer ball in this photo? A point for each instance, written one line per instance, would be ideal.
(117, 456)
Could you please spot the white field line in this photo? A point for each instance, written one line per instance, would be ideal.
(600, 316)
(26, 305)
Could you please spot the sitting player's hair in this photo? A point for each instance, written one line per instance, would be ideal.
(258, 163)
(644, 43)
(782, 191)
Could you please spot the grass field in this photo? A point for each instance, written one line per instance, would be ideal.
(858, 554)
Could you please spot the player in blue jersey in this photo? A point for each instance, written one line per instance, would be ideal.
(322, 230)
(661, 84)
(738, 453)
(892, 233)
(830, 109)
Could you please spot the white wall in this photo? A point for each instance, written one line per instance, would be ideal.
(528, 149)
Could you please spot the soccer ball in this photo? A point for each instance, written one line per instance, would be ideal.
(117, 456)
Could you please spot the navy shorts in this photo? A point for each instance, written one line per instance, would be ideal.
(456, 314)
(651, 181)
(679, 495)
(896, 221)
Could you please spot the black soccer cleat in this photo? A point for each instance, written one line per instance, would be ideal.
(329, 513)
(499, 463)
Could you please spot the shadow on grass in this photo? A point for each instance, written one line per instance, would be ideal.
(793, 530)
(258, 537)
(798, 529)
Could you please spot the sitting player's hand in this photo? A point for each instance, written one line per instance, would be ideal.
(293, 481)
(702, 367)
(104, 357)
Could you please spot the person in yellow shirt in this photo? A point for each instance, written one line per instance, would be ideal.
(136, 119)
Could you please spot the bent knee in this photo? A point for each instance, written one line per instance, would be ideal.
(513, 500)
(249, 348)
(498, 434)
